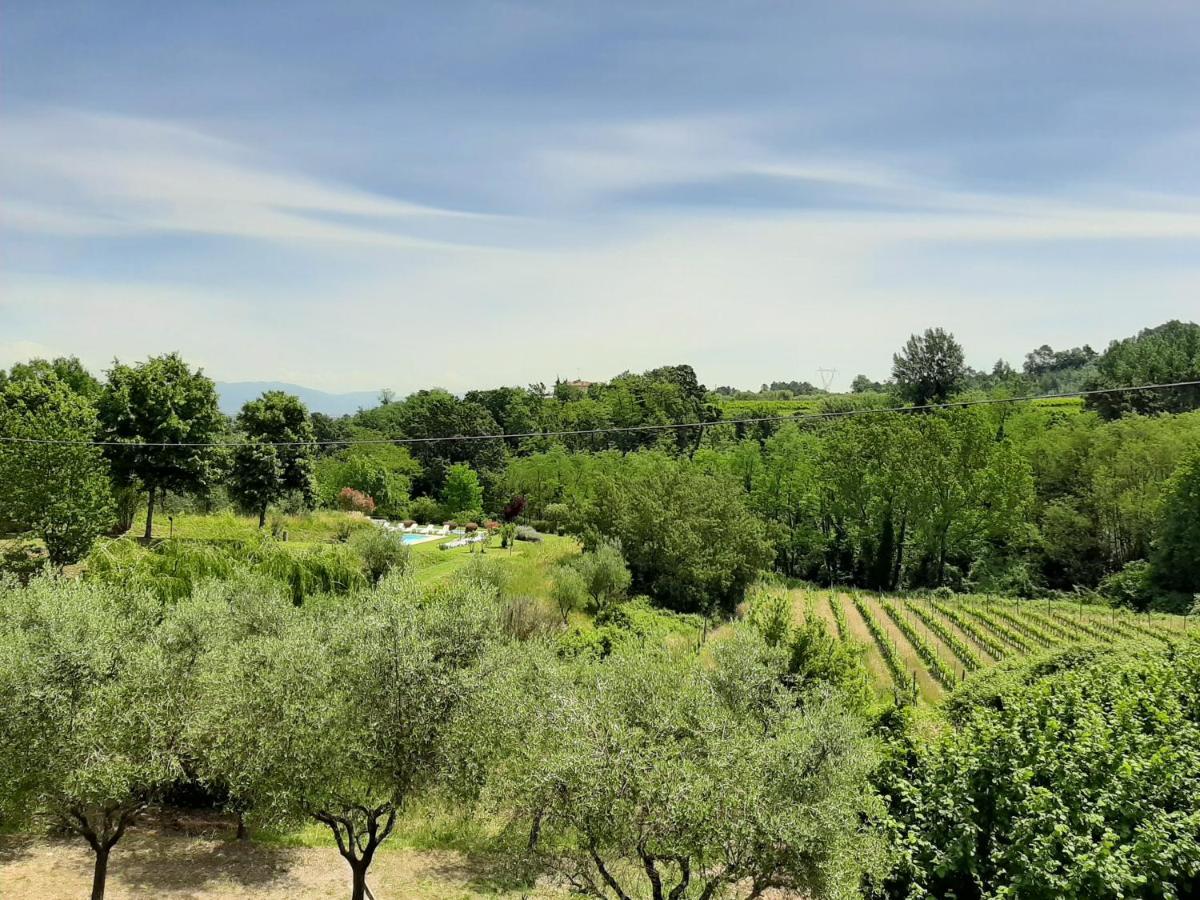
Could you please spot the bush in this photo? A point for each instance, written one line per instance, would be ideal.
(525, 533)
(508, 534)
(1132, 586)
(171, 570)
(482, 572)
(1071, 775)
(557, 514)
(22, 558)
(471, 527)
(382, 552)
(770, 615)
(355, 501)
(524, 617)
(425, 510)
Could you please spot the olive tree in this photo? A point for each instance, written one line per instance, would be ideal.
(88, 714)
(605, 575)
(643, 775)
(339, 717)
(160, 418)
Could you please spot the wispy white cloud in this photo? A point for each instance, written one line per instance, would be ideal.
(596, 287)
(592, 164)
(73, 173)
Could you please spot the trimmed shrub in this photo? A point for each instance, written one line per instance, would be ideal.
(525, 533)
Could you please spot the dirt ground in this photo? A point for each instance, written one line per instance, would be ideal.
(159, 863)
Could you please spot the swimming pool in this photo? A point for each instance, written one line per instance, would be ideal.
(418, 538)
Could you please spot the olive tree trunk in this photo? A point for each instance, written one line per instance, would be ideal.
(100, 873)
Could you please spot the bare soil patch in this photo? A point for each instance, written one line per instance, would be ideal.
(859, 632)
(165, 863)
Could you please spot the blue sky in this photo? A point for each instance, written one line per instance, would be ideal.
(354, 195)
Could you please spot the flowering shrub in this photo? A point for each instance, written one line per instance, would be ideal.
(355, 501)
(513, 508)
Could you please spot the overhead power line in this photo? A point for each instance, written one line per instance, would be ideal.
(616, 429)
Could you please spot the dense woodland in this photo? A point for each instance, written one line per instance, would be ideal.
(620, 696)
(1023, 497)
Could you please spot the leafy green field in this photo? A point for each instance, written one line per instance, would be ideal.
(819, 403)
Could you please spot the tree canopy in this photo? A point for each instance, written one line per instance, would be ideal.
(159, 414)
(276, 455)
(58, 492)
(930, 368)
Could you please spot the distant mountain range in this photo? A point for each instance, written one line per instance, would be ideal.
(233, 394)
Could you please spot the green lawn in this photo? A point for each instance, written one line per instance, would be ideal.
(317, 527)
(527, 565)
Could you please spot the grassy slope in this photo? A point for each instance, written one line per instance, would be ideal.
(527, 565)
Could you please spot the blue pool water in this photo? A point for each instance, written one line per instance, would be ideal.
(415, 538)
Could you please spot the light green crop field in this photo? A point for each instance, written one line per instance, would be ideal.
(818, 403)
(935, 644)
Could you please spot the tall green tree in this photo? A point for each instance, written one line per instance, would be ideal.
(276, 457)
(439, 414)
(67, 369)
(1177, 554)
(58, 491)
(462, 494)
(381, 471)
(930, 368)
(160, 415)
(688, 538)
(1162, 355)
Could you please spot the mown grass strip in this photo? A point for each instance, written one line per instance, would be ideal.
(887, 647)
(969, 658)
(976, 632)
(938, 667)
(999, 628)
(839, 617)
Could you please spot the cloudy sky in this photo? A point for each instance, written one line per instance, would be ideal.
(354, 195)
